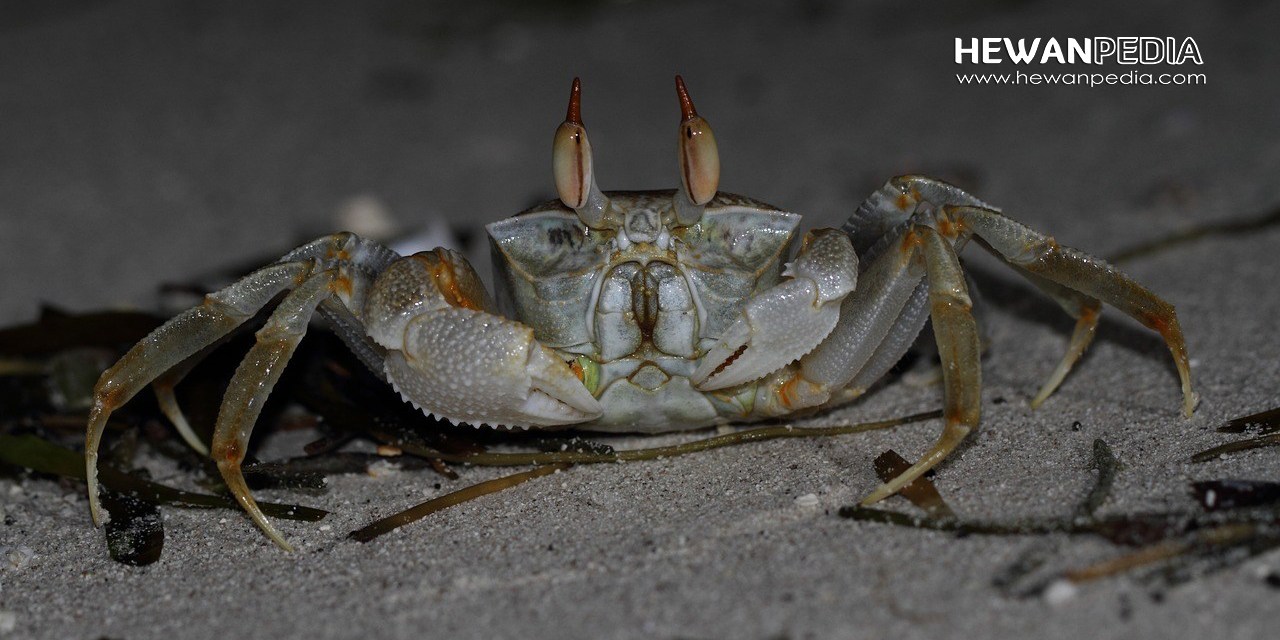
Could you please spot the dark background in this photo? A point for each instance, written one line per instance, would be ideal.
(143, 142)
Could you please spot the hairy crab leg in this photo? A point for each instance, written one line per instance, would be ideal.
(1040, 255)
(253, 382)
(175, 341)
(957, 337)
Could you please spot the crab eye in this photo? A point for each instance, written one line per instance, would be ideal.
(572, 164)
(571, 155)
(699, 159)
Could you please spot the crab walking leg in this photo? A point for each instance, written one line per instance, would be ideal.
(902, 334)
(358, 260)
(868, 317)
(1040, 255)
(253, 382)
(175, 341)
(163, 388)
(957, 336)
(1079, 306)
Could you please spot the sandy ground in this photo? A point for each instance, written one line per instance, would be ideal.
(142, 143)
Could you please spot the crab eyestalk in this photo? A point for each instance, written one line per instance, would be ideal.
(574, 171)
(699, 161)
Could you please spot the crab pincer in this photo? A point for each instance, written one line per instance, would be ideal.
(785, 322)
(448, 354)
(470, 366)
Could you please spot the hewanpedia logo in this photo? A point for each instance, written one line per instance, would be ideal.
(1123, 50)
(1131, 51)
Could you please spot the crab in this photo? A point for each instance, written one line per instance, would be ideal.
(638, 311)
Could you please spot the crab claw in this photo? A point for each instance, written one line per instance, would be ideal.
(470, 366)
(781, 324)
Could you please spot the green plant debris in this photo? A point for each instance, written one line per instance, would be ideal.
(308, 472)
(1263, 422)
(571, 443)
(1237, 226)
(758, 434)
(1269, 440)
(135, 531)
(1105, 464)
(1231, 528)
(58, 330)
(1216, 495)
(413, 514)
(563, 456)
(920, 492)
(38, 455)
(1266, 423)
(1207, 542)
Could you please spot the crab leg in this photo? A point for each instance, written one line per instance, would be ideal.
(1079, 306)
(168, 401)
(1040, 255)
(902, 334)
(253, 382)
(957, 337)
(175, 341)
(868, 330)
(172, 349)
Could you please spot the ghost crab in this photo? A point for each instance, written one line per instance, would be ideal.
(639, 311)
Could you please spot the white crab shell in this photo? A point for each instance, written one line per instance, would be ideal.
(639, 306)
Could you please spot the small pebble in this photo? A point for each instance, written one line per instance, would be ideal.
(382, 468)
(8, 622)
(807, 500)
(19, 557)
(1060, 593)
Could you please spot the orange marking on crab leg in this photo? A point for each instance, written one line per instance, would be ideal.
(1167, 325)
(1041, 255)
(957, 337)
(798, 392)
(446, 279)
(787, 393)
(251, 385)
(1086, 327)
(342, 286)
(910, 242)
